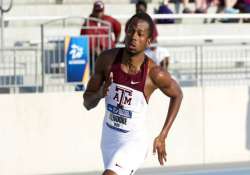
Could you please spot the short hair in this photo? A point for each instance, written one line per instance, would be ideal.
(141, 2)
(144, 17)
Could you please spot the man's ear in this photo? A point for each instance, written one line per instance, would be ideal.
(148, 42)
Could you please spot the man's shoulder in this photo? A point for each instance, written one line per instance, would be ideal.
(151, 63)
(108, 55)
(108, 18)
(156, 71)
(106, 59)
(90, 21)
(110, 52)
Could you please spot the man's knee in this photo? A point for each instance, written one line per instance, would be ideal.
(109, 172)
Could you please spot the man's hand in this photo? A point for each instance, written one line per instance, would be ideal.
(105, 87)
(159, 146)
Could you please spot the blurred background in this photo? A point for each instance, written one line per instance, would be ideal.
(48, 50)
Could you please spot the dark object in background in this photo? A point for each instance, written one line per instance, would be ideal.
(163, 9)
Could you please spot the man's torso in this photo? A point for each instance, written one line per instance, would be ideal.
(126, 105)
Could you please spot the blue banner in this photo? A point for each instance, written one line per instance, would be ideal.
(77, 58)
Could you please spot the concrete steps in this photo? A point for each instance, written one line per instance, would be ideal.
(180, 32)
(39, 2)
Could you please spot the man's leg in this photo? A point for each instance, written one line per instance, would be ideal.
(109, 172)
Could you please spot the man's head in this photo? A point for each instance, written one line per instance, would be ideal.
(98, 9)
(139, 33)
(141, 7)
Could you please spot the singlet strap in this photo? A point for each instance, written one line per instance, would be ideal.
(117, 60)
(118, 57)
(145, 70)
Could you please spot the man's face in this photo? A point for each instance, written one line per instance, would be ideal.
(140, 9)
(137, 36)
(98, 14)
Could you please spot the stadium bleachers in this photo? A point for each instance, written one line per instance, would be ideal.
(32, 34)
(78, 1)
(23, 21)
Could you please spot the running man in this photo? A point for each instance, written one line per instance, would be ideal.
(126, 78)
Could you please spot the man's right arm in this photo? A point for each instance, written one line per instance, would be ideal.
(94, 91)
(93, 94)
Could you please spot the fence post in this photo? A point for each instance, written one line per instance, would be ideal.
(201, 66)
(42, 58)
(15, 86)
(3, 10)
(2, 32)
(36, 70)
(247, 50)
(196, 65)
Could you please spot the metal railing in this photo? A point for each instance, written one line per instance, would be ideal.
(192, 65)
(53, 46)
(211, 64)
(20, 70)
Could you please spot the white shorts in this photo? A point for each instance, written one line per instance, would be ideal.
(123, 153)
(125, 158)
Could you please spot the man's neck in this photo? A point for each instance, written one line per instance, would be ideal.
(132, 63)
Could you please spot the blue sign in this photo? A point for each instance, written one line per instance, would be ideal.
(77, 58)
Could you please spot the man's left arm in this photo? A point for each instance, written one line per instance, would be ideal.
(170, 88)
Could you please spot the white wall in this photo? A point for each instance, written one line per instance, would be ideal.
(53, 133)
(226, 116)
